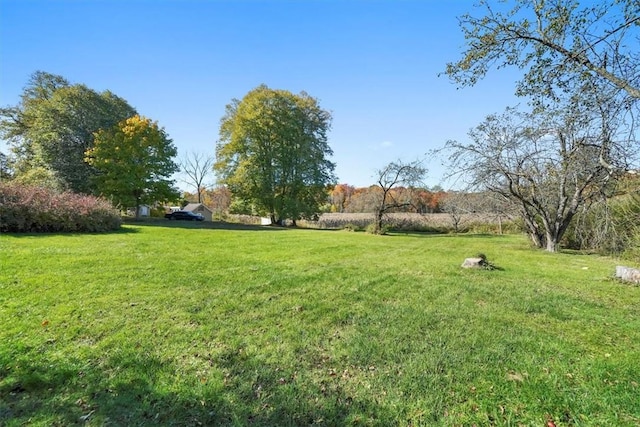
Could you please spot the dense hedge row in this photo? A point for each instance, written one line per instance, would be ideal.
(26, 209)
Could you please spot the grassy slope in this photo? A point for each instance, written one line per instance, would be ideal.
(181, 325)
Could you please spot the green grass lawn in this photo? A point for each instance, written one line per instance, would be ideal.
(175, 324)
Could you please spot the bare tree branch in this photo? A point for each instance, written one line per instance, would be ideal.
(197, 167)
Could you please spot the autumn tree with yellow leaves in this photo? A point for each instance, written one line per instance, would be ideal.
(134, 160)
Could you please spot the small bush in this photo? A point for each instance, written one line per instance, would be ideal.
(371, 229)
(157, 212)
(352, 227)
(27, 209)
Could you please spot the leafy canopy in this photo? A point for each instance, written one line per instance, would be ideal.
(53, 126)
(555, 42)
(273, 152)
(134, 160)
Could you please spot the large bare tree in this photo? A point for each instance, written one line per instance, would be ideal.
(397, 182)
(581, 75)
(196, 167)
(548, 165)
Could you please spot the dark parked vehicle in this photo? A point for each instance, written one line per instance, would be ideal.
(184, 215)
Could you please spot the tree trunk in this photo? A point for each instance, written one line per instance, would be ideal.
(536, 239)
(555, 231)
(379, 215)
(455, 219)
(552, 244)
(533, 230)
(137, 208)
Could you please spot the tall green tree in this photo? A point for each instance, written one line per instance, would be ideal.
(554, 42)
(273, 152)
(53, 126)
(5, 167)
(17, 125)
(134, 160)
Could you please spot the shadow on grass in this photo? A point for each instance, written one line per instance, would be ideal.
(215, 225)
(121, 230)
(133, 389)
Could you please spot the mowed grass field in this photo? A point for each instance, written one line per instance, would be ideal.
(176, 324)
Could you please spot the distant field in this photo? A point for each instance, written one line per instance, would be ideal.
(414, 221)
(184, 324)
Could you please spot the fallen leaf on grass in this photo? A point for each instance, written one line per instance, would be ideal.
(514, 376)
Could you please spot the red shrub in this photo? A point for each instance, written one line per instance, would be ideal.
(26, 209)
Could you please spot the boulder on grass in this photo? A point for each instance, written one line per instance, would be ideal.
(475, 263)
(628, 274)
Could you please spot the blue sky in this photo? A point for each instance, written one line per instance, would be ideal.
(374, 64)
